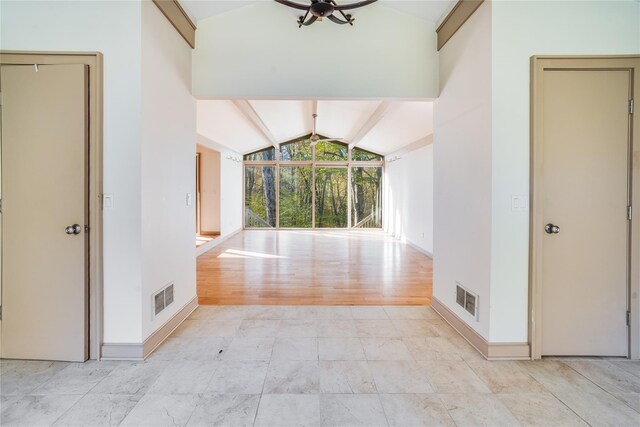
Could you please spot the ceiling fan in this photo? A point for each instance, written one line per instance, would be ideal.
(315, 138)
(325, 9)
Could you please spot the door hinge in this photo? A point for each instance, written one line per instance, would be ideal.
(631, 106)
(629, 213)
(628, 318)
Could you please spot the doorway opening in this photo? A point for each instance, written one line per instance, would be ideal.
(207, 195)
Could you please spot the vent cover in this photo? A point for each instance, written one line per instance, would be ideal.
(162, 299)
(467, 300)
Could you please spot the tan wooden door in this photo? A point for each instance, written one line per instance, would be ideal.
(44, 212)
(585, 131)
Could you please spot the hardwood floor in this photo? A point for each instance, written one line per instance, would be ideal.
(332, 267)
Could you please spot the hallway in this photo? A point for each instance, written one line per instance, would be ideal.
(329, 366)
(314, 267)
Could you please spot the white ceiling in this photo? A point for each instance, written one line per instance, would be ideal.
(405, 122)
(430, 10)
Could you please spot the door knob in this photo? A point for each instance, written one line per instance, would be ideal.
(551, 229)
(73, 229)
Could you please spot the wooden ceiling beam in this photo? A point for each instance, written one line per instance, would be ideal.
(252, 115)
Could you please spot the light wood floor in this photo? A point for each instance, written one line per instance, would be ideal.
(291, 267)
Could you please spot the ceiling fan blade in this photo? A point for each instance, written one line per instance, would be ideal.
(293, 4)
(353, 5)
(337, 20)
(310, 21)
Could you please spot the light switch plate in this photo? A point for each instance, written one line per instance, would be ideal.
(188, 199)
(107, 202)
(520, 203)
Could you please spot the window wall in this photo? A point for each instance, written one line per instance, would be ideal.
(303, 186)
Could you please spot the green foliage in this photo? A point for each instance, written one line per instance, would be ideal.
(298, 150)
(366, 204)
(295, 196)
(331, 197)
(262, 155)
(360, 155)
(330, 151)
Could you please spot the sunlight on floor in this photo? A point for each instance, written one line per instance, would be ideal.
(236, 253)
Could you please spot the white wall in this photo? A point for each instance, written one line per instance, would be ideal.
(209, 189)
(522, 29)
(113, 28)
(408, 198)
(231, 179)
(259, 51)
(462, 168)
(168, 166)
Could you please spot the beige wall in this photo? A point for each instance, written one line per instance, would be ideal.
(209, 189)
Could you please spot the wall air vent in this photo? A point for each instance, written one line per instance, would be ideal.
(162, 299)
(467, 300)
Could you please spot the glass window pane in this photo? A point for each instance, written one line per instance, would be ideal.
(262, 155)
(360, 155)
(331, 197)
(259, 196)
(366, 193)
(329, 151)
(295, 197)
(296, 151)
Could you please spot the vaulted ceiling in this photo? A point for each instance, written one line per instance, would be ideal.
(430, 10)
(379, 126)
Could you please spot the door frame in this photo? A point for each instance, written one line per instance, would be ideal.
(94, 61)
(536, 220)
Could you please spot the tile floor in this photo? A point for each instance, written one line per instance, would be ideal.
(330, 366)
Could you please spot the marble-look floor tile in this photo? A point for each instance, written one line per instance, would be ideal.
(475, 409)
(247, 348)
(368, 312)
(557, 377)
(169, 349)
(288, 410)
(385, 349)
(410, 312)
(244, 377)
(464, 349)
(98, 410)
(228, 312)
(400, 377)
(540, 409)
(332, 312)
(431, 348)
(295, 349)
(409, 410)
(505, 377)
(415, 328)
(41, 410)
(203, 349)
(202, 312)
(376, 328)
(77, 378)
(26, 376)
(265, 312)
(162, 410)
(355, 410)
(130, 378)
(607, 375)
(184, 377)
(443, 328)
(304, 328)
(453, 377)
(340, 349)
(337, 328)
(219, 328)
(228, 410)
(258, 328)
(292, 377)
(189, 328)
(630, 366)
(346, 377)
(600, 408)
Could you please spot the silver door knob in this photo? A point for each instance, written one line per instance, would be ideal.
(73, 229)
(551, 229)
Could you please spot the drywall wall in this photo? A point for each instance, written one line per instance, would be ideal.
(462, 169)
(258, 51)
(112, 28)
(522, 29)
(209, 189)
(167, 167)
(231, 179)
(408, 197)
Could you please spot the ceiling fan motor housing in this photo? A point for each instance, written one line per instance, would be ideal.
(321, 9)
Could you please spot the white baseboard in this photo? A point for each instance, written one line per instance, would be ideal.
(418, 248)
(140, 351)
(215, 242)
